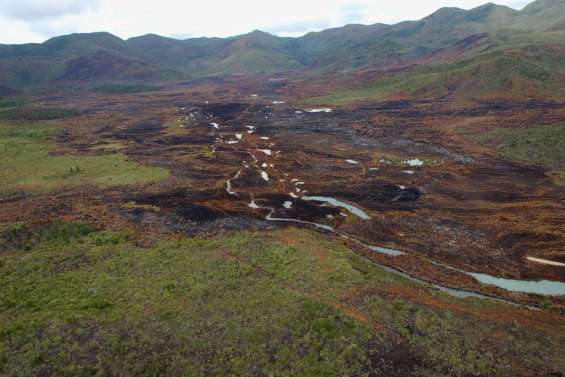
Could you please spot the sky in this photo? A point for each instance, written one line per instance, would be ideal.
(25, 21)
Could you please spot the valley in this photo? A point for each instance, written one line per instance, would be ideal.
(369, 200)
(399, 175)
(403, 187)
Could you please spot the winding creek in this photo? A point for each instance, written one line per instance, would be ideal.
(543, 287)
(338, 203)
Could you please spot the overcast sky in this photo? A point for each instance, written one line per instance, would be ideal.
(37, 20)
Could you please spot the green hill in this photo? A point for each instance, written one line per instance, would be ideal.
(433, 44)
(519, 72)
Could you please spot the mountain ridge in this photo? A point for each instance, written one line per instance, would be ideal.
(106, 57)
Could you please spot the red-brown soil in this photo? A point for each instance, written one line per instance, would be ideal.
(464, 207)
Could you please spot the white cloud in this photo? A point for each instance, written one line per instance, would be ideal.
(37, 20)
(14, 31)
(39, 10)
(298, 28)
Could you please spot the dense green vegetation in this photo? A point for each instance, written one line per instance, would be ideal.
(35, 113)
(502, 73)
(253, 60)
(25, 164)
(127, 88)
(21, 237)
(6, 103)
(543, 145)
(102, 57)
(81, 302)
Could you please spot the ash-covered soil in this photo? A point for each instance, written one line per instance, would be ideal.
(402, 177)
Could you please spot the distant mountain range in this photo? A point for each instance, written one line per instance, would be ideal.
(526, 45)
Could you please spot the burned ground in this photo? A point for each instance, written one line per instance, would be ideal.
(213, 246)
(427, 190)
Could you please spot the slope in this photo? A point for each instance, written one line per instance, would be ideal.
(103, 57)
(518, 72)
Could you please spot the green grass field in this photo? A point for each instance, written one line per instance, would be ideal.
(542, 145)
(31, 114)
(127, 88)
(26, 164)
(512, 73)
(81, 301)
(7, 103)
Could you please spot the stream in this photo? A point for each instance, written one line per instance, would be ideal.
(543, 287)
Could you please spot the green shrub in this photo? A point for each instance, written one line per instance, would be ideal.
(37, 114)
(27, 165)
(26, 237)
(12, 102)
(127, 88)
